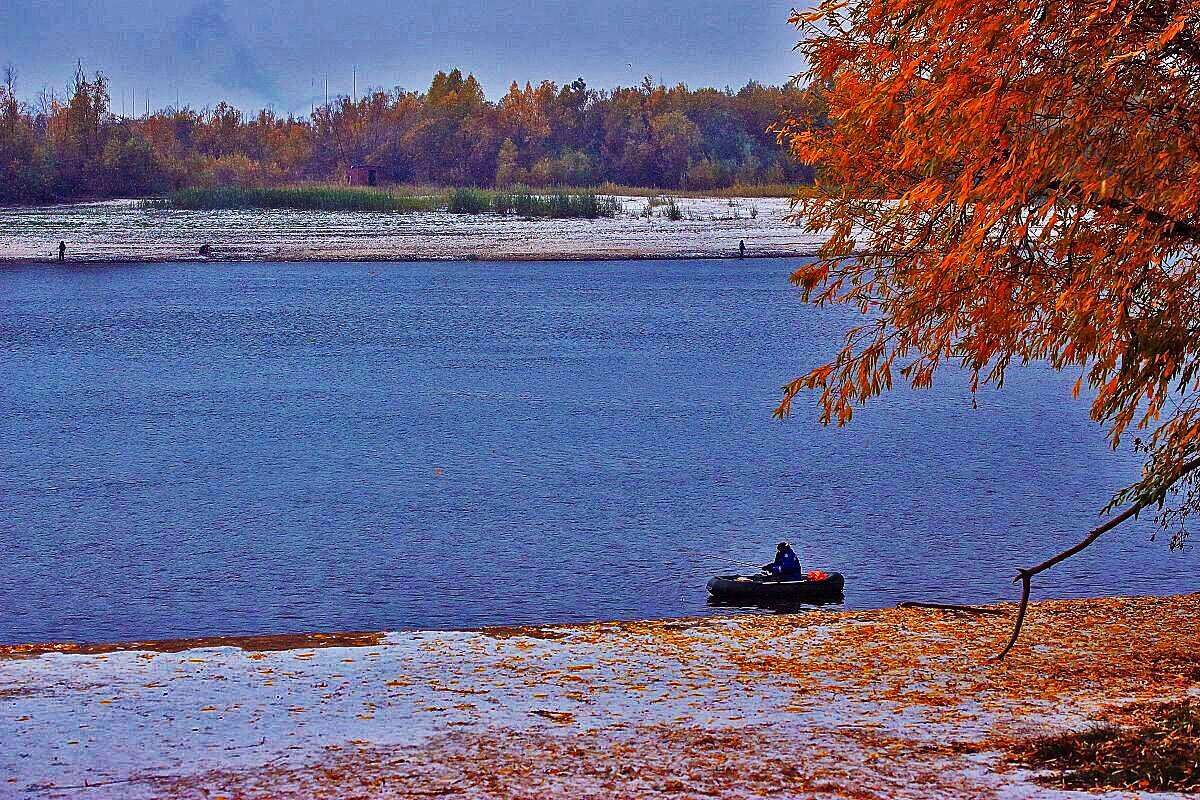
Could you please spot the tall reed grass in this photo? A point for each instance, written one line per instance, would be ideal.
(306, 198)
(469, 201)
(736, 190)
(525, 203)
(558, 205)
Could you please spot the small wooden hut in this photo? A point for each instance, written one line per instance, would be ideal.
(362, 175)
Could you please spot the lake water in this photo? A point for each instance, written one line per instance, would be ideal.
(250, 448)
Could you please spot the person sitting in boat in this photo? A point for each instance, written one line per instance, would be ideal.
(786, 564)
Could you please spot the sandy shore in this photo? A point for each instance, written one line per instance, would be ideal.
(122, 231)
(880, 704)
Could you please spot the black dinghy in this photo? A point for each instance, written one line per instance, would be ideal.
(755, 589)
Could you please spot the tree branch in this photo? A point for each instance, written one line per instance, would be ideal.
(1025, 575)
(1171, 227)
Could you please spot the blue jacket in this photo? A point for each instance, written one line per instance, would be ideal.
(785, 564)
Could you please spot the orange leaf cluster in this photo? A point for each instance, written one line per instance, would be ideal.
(1005, 182)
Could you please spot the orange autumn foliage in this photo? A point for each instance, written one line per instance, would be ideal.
(1008, 181)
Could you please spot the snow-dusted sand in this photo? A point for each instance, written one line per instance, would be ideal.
(879, 704)
(121, 231)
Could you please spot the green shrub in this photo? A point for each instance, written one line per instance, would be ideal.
(561, 205)
(672, 211)
(503, 203)
(469, 201)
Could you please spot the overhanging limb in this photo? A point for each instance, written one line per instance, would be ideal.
(1025, 576)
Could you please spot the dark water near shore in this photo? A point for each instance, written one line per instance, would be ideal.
(251, 448)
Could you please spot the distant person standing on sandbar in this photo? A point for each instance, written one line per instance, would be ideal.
(742, 249)
(62, 251)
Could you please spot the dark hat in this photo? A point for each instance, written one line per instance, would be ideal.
(782, 545)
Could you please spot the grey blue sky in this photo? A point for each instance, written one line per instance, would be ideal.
(278, 52)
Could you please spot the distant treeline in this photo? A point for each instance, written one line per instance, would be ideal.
(451, 135)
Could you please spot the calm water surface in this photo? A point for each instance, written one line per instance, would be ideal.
(248, 448)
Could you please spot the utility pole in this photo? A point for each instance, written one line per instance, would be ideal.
(327, 92)
(354, 83)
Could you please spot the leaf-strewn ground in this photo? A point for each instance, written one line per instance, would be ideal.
(879, 704)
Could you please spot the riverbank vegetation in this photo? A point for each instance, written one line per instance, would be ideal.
(982, 235)
(562, 204)
(544, 136)
(557, 205)
(307, 198)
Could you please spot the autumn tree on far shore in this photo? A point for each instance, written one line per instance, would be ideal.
(1007, 181)
(451, 134)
